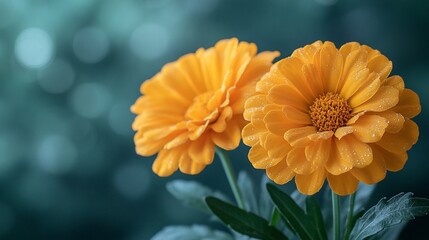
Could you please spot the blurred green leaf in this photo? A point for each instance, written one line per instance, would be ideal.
(265, 203)
(242, 221)
(400, 208)
(296, 217)
(391, 233)
(313, 210)
(248, 192)
(363, 195)
(194, 232)
(192, 193)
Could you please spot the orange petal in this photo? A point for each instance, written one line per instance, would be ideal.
(273, 78)
(280, 173)
(306, 54)
(330, 62)
(348, 48)
(370, 128)
(396, 82)
(409, 104)
(202, 151)
(258, 156)
(343, 184)
(297, 116)
(395, 120)
(373, 173)
(276, 146)
(252, 131)
(177, 141)
(254, 107)
(381, 65)
(287, 95)
(277, 123)
(394, 161)
(291, 68)
(386, 98)
(259, 65)
(312, 74)
(297, 161)
(365, 93)
(343, 131)
(187, 166)
(166, 163)
(230, 138)
(358, 153)
(401, 141)
(298, 137)
(325, 135)
(312, 183)
(221, 123)
(318, 152)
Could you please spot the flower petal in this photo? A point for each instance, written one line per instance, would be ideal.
(291, 68)
(276, 146)
(166, 163)
(381, 65)
(401, 141)
(330, 62)
(297, 161)
(297, 116)
(221, 123)
(365, 93)
(258, 156)
(277, 123)
(187, 166)
(287, 95)
(386, 98)
(280, 173)
(318, 152)
(343, 131)
(312, 183)
(254, 107)
(343, 184)
(395, 120)
(298, 137)
(252, 131)
(409, 104)
(396, 82)
(230, 138)
(370, 128)
(202, 151)
(373, 173)
(394, 161)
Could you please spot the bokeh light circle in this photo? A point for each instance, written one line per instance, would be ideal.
(90, 100)
(56, 154)
(150, 41)
(34, 48)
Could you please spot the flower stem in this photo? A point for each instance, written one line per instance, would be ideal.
(230, 174)
(275, 217)
(336, 215)
(350, 216)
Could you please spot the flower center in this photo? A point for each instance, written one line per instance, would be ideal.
(199, 109)
(330, 112)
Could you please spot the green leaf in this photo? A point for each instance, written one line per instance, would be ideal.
(242, 221)
(298, 220)
(265, 203)
(192, 193)
(391, 233)
(400, 208)
(194, 232)
(248, 192)
(363, 195)
(313, 210)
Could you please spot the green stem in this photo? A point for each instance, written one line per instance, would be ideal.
(275, 217)
(350, 216)
(230, 174)
(336, 215)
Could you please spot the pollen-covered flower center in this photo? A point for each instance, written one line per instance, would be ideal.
(199, 110)
(330, 112)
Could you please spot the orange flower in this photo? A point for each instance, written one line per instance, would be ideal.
(196, 103)
(329, 113)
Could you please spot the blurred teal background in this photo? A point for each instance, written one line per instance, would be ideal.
(69, 71)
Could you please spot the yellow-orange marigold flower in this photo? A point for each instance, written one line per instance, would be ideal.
(195, 103)
(330, 113)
